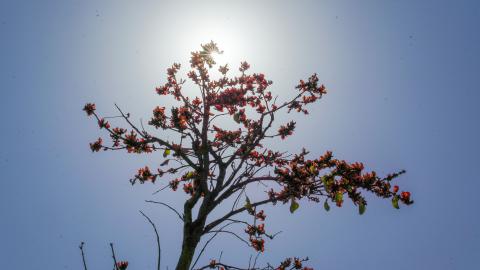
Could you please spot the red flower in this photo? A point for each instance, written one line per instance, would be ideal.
(122, 265)
(96, 146)
(287, 130)
(261, 229)
(163, 90)
(405, 195)
(89, 108)
(144, 174)
(261, 216)
(159, 117)
(223, 69)
(196, 102)
(395, 189)
(188, 188)
(297, 263)
(258, 244)
(103, 124)
(244, 66)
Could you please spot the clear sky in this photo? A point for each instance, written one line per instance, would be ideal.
(403, 81)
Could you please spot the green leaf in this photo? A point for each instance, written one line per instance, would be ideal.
(324, 181)
(294, 206)
(236, 117)
(166, 153)
(248, 204)
(339, 197)
(361, 208)
(326, 206)
(395, 202)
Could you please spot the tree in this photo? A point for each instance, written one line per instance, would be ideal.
(214, 164)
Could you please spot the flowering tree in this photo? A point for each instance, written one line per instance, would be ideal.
(213, 164)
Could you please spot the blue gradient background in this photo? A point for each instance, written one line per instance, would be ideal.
(403, 82)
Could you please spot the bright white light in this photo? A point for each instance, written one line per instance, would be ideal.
(227, 37)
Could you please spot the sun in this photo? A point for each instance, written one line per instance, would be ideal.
(228, 39)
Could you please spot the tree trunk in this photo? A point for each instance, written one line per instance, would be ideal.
(191, 238)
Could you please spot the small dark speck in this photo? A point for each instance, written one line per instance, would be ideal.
(410, 37)
(4, 22)
(336, 17)
(97, 14)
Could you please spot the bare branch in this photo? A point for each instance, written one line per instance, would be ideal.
(83, 256)
(171, 208)
(232, 213)
(158, 239)
(232, 233)
(115, 266)
(206, 244)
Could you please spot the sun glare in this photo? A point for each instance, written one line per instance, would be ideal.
(226, 36)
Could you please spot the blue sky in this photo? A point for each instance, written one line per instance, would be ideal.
(403, 92)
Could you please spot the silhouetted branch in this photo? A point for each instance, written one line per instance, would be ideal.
(206, 244)
(115, 267)
(83, 256)
(234, 234)
(158, 239)
(171, 208)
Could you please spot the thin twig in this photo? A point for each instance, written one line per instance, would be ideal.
(171, 208)
(83, 256)
(232, 233)
(206, 244)
(255, 262)
(158, 239)
(114, 258)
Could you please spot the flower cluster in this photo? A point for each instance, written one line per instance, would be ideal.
(180, 117)
(103, 124)
(144, 174)
(136, 145)
(267, 158)
(286, 130)
(188, 188)
(302, 178)
(89, 108)
(223, 69)
(297, 264)
(116, 135)
(258, 244)
(253, 230)
(310, 92)
(122, 265)
(159, 118)
(96, 146)
(261, 215)
(226, 136)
